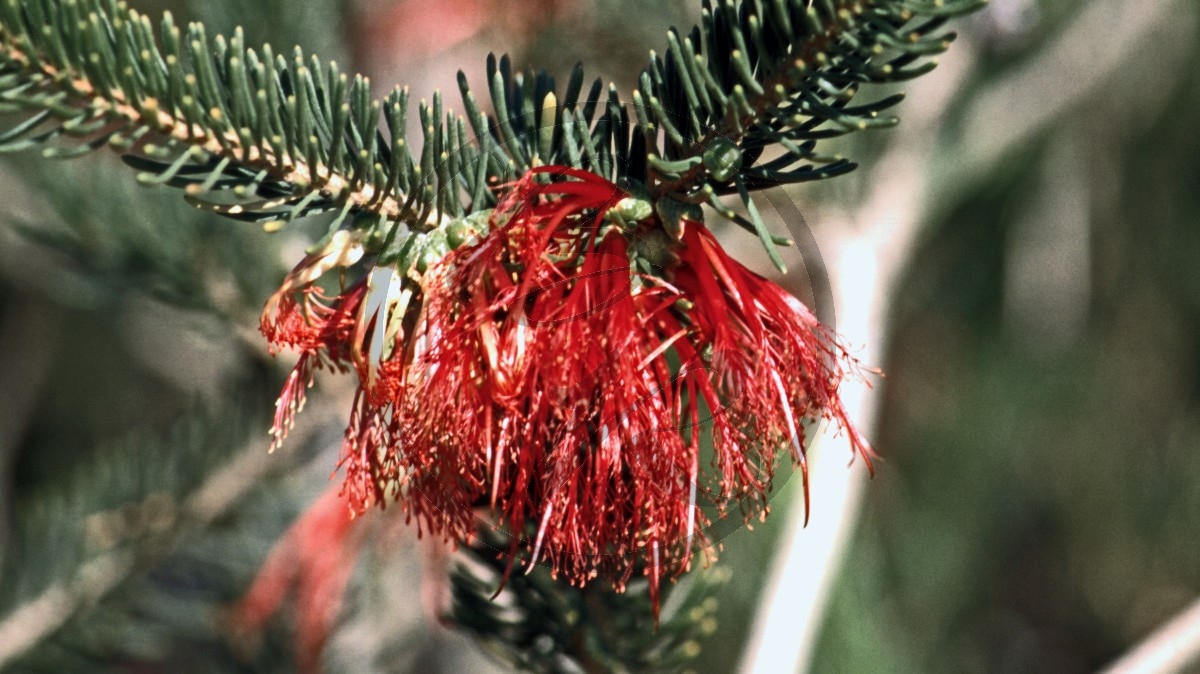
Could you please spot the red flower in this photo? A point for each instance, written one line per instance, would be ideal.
(774, 365)
(593, 382)
(301, 316)
(314, 559)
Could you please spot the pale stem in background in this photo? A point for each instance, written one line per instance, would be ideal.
(1172, 648)
(867, 258)
(864, 263)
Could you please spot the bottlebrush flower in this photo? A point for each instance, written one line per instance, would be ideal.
(592, 381)
(314, 561)
(301, 316)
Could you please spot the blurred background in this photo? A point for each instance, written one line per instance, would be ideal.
(1037, 504)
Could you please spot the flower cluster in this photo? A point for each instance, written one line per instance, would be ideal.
(313, 561)
(602, 388)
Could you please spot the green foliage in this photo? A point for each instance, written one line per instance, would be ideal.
(538, 625)
(736, 105)
(184, 257)
(90, 533)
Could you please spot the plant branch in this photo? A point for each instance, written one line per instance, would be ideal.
(120, 113)
(255, 136)
(35, 620)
